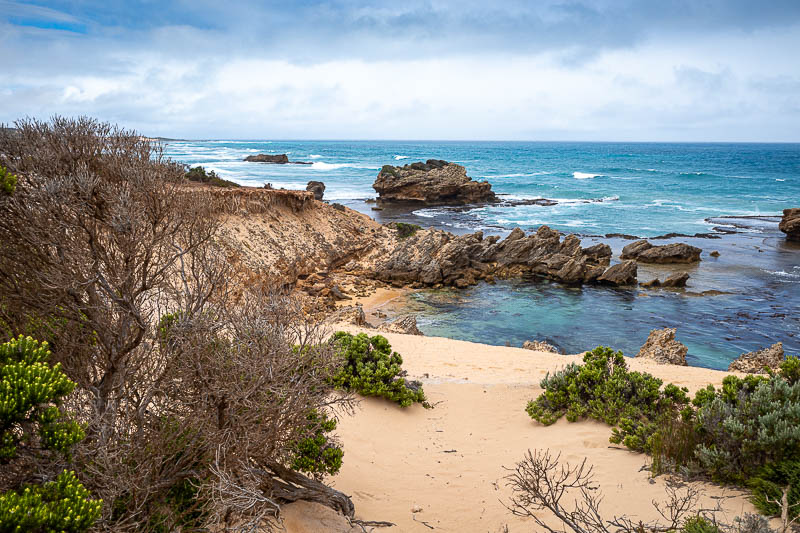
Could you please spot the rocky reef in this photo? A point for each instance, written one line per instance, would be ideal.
(278, 159)
(645, 252)
(662, 348)
(790, 224)
(438, 258)
(757, 362)
(434, 182)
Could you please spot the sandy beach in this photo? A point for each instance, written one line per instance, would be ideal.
(442, 469)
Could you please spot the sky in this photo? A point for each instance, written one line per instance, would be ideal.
(603, 70)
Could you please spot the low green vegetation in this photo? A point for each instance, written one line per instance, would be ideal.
(746, 433)
(405, 230)
(199, 175)
(371, 368)
(32, 425)
(8, 181)
(318, 454)
(389, 169)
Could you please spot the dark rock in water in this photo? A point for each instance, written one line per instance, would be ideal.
(540, 346)
(621, 236)
(620, 274)
(651, 284)
(434, 182)
(278, 159)
(757, 362)
(406, 324)
(790, 224)
(317, 187)
(676, 280)
(662, 348)
(645, 252)
(714, 254)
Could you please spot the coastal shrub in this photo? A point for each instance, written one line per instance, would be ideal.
(199, 175)
(371, 368)
(405, 230)
(604, 389)
(8, 181)
(34, 430)
(318, 454)
(389, 169)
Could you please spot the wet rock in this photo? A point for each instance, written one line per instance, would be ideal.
(620, 274)
(317, 187)
(756, 362)
(540, 346)
(599, 252)
(790, 224)
(676, 280)
(278, 159)
(434, 182)
(662, 348)
(406, 324)
(653, 283)
(645, 252)
(714, 254)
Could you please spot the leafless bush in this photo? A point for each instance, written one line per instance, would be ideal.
(106, 256)
(540, 483)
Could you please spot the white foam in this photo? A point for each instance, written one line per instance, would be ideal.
(314, 156)
(778, 179)
(584, 175)
(399, 157)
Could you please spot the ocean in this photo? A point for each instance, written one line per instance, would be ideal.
(730, 194)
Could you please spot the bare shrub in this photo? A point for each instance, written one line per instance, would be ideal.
(187, 398)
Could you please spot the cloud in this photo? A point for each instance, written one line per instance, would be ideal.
(608, 69)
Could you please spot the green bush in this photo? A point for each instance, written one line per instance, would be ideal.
(604, 389)
(406, 230)
(199, 174)
(371, 368)
(318, 454)
(8, 181)
(32, 423)
(62, 505)
(745, 433)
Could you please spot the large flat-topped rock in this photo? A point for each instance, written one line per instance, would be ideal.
(434, 182)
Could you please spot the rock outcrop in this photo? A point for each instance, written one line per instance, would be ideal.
(540, 346)
(406, 324)
(435, 257)
(316, 187)
(677, 280)
(790, 224)
(662, 348)
(434, 182)
(620, 274)
(349, 314)
(278, 159)
(645, 252)
(756, 362)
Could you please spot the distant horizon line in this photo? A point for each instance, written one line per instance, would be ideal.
(272, 139)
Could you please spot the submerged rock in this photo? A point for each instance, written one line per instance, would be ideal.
(406, 324)
(756, 362)
(645, 252)
(790, 224)
(434, 182)
(540, 346)
(662, 348)
(317, 187)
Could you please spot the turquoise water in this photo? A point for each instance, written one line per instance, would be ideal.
(643, 189)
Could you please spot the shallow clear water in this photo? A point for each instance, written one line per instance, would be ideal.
(644, 189)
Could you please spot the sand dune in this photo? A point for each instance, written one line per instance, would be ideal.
(445, 466)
